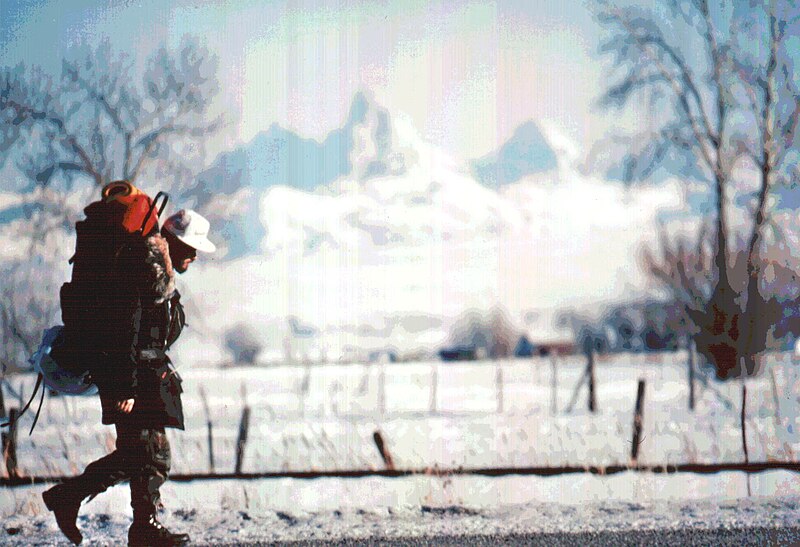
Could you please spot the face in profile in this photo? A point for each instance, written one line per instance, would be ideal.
(181, 254)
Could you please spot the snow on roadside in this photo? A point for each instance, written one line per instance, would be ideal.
(334, 509)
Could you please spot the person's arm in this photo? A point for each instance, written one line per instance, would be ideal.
(176, 320)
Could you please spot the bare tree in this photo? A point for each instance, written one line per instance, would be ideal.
(709, 97)
(773, 105)
(99, 120)
(102, 122)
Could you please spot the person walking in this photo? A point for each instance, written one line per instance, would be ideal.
(140, 390)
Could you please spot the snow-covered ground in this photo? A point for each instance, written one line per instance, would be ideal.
(233, 512)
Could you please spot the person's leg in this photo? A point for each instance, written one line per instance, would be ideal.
(114, 468)
(151, 472)
(65, 498)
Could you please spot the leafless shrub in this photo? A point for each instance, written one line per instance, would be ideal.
(492, 333)
(243, 343)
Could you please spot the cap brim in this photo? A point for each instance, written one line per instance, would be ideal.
(201, 244)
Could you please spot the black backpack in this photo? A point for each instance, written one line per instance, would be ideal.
(104, 239)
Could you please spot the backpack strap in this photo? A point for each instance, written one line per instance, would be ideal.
(28, 404)
(165, 199)
(38, 411)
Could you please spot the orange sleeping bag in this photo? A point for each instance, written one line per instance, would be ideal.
(140, 213)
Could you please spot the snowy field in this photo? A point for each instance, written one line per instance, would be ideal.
(481, 414)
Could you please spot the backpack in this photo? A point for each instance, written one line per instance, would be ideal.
(118, 223)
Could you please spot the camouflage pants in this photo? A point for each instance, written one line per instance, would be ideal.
(142, 457)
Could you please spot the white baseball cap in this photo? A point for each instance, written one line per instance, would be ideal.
(192, 228)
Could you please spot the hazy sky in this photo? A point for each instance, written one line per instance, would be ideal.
(467, 73)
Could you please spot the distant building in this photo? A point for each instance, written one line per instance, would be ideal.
(543, 338)
(556, 347)
(458, 354)
(524, 347)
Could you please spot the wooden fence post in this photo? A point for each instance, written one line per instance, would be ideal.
(742, 421)
(775, 398)
(744, 431)
(210, 428)
(498, 382)
(244, 424)
(382, 390)
(590, 373)
(553, 385)
(434, 387)
(690, 350)
(9, 442)
(386, 456)
(637, 422)
(576, 391)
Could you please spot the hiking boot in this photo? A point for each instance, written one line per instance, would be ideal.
(65, 502)
(148, 532)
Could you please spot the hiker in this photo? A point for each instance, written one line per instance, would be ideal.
(139, 388)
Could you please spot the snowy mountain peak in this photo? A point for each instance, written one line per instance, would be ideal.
(358, 108)
(526, 152)
(362, 148)
(372, 153)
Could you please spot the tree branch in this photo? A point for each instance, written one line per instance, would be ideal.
(53, 120)
(151, 139)
(95, 95)
(679, 90)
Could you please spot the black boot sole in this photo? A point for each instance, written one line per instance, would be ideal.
(158, 542)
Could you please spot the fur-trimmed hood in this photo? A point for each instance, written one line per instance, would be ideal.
(160, 265)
